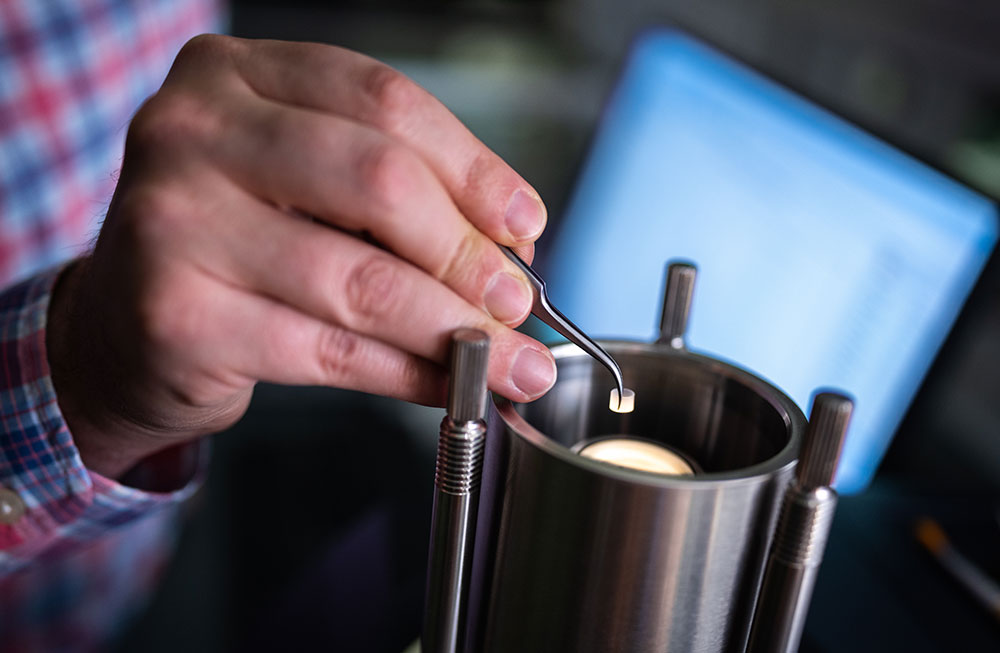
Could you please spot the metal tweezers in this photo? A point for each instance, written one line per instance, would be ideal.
(543, 309)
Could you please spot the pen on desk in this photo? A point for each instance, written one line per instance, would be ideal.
(975, 580)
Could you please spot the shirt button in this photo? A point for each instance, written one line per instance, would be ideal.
(11, 506)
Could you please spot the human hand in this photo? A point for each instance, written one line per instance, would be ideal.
(207, 277)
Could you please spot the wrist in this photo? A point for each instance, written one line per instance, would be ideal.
(79, 365)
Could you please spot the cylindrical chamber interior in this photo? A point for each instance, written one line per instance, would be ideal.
(697, 406)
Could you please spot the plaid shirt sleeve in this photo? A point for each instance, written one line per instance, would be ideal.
(53, 504)
(78, 552)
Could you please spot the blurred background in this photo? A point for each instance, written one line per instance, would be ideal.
(311, 532)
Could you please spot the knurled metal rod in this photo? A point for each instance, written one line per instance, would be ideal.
(678, 292)
(456, 497)
(803, 528)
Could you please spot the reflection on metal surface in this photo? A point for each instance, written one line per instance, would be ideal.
(637, 454)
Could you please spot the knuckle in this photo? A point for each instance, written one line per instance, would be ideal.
(374, 289)
(274, 129)
(392, 96)
(489, 182)
(167, 121)
(338, 352)
(206, 47)
(170, 317)
(148, 125)
(387, 172)
(186, 391)
(151, 215)
(465, 263)
(194, 396)
(480, 174)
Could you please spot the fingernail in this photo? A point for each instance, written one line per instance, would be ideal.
(507, 298)
(533, 372)
(525, 216)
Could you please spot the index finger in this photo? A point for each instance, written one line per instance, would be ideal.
(486, 190)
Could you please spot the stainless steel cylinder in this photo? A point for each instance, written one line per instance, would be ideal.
(577, 555)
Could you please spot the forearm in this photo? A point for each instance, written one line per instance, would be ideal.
(65, 504)
(87, 378)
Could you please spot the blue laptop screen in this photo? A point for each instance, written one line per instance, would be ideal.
(826, 257)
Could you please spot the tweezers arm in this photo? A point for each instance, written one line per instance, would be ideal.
(543, 309)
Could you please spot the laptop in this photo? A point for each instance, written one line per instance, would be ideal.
(827, 258)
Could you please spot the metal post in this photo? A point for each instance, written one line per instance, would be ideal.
(456, 497)
(803, 528)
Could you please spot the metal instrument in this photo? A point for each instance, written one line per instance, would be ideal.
(581, 556)
(576, 555)
(803, 528)
(543, 309)
(456, 497)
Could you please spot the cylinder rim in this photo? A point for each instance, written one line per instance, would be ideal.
(790, 413)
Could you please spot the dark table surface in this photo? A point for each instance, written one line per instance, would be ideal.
(880, 590)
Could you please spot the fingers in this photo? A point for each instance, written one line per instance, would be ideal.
(355, 178)
(341, 281)
(233, 161)
(267, 340)
(228, 338)
(486, 190)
